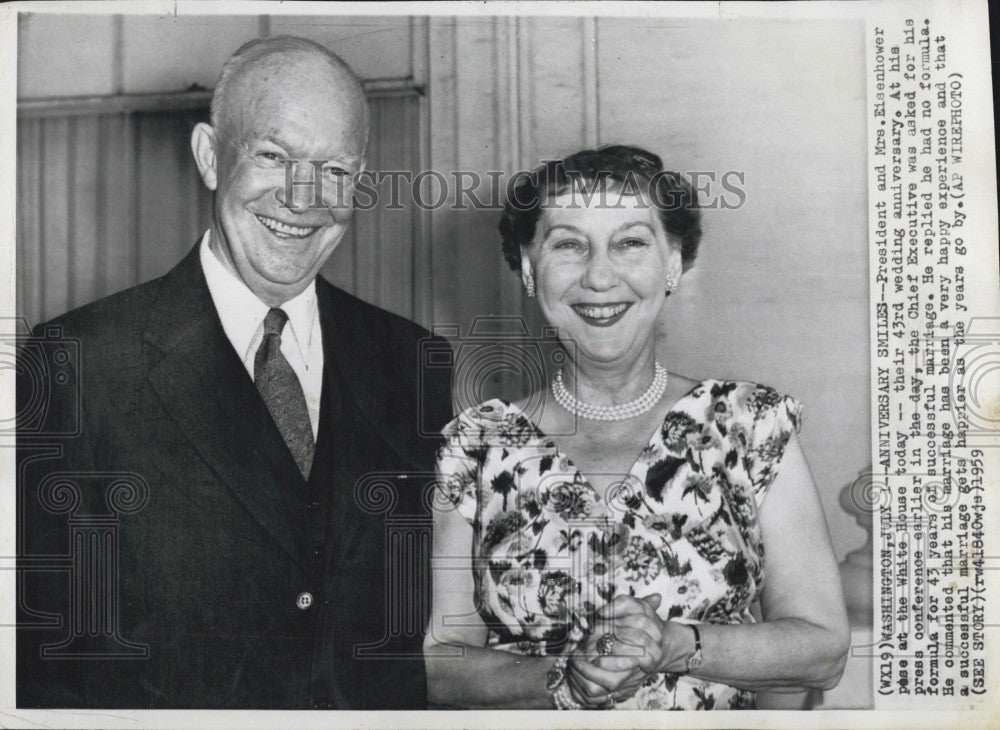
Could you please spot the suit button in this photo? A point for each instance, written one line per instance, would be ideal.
(304, 601)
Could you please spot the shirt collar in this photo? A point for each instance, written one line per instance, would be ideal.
(242, 313)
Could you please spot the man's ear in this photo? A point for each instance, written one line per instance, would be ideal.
(203, 147)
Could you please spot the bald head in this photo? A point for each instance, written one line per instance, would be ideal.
(282, 70)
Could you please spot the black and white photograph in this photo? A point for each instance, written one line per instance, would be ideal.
(426, 359)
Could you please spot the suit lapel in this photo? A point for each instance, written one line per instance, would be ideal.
(365, 435)
(205, 388)
(357, 361)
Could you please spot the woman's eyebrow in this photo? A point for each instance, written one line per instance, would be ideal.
(567, 226)
(635, 224)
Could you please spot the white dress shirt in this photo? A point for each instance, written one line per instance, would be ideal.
(242, 315)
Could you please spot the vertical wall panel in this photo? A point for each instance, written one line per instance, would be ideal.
(511, 152)
(477, 112)
(83, 271)
(118, 241)
(515, 114)
(482, 119)
(29, 221)
(465, 134)
(558, 95)
(443, 95)
(56, 188)
(397, 142)
(167, 176)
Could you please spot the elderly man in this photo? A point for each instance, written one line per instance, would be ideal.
(242, 399)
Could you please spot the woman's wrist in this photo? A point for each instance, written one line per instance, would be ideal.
(557, 685)
(679, 645)
(564, 695)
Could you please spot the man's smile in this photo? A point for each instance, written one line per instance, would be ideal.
(284, 230)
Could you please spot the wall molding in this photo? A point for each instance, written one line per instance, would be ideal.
(71, 106)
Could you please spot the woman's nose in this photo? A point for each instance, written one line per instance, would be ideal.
(600, 274)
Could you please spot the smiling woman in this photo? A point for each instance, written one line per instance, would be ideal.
(598, 266)
(625, 560)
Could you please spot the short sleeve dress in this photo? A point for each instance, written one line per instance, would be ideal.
(548, 552)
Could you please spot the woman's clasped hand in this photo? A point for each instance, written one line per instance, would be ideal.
(631, 644)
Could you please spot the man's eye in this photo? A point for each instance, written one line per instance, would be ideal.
(336, 173)
(267, 156)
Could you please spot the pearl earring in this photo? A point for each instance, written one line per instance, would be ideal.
(671, 283)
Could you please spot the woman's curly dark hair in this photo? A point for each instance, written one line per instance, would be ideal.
(616, 167)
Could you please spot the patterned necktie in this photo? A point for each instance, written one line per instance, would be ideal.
(282, 392)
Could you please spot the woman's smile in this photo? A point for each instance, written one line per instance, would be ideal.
(602, 315)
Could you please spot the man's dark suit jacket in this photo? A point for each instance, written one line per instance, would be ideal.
(212, 569)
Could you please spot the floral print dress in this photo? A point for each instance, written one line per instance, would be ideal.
(548, 552)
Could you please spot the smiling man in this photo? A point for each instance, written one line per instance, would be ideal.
(245, 399)
(278, 105)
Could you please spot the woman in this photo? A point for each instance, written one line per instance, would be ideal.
(618, 564)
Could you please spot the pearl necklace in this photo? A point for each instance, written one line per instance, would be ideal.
(622, 412)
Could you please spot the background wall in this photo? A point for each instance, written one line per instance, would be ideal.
(108, 195)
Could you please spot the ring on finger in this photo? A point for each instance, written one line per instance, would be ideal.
(605, 644)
